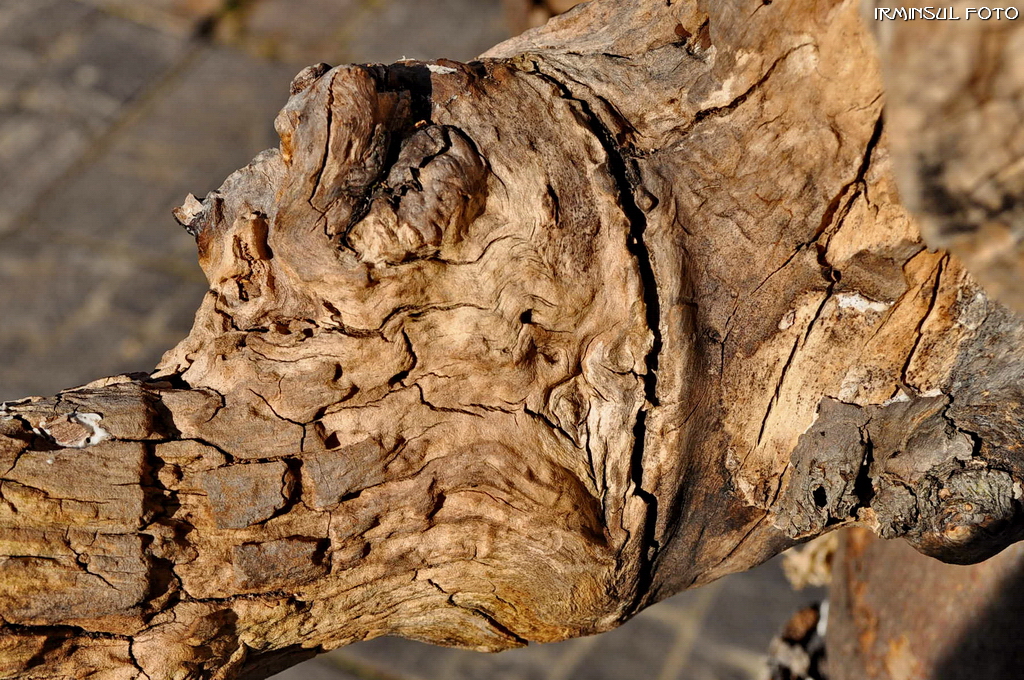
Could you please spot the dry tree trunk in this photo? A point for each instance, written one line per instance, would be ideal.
(505, 351)
(897, 615)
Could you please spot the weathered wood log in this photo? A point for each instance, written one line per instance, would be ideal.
(505, 351)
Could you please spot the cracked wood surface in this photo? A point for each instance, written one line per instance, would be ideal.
(504, 351)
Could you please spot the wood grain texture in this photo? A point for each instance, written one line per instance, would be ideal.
(504, 351)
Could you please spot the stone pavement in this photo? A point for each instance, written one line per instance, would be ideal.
(110, 112)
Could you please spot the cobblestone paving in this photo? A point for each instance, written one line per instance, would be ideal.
(110, 112)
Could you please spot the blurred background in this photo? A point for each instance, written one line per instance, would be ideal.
(111, 111)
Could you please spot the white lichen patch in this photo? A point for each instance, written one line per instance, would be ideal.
(442, 70)
(899, 398)
(722, 96)
(811, 424)
(803, 60)
(849, 389)
(859, 303)
(74, 431)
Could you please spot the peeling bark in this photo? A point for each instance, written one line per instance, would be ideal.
(505, 351)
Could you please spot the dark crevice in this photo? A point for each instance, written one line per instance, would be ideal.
(820, 497)
(869, 150)
(649, 547)
(412, 78)
(135, 661)
(918, 332)
(351, 496)
(50, 644)
(556, 205)
(863, 485)
(175, 380)
(442, 409)
(499, 627)
(33, 440)
(556, 429)
(161, 505)
(399, 378)
(169, 430)
(778, 385)
(65, 631)
(271, 594)
(327, 144)
(627, 177)
(344, 329)
(437, 505)
(977, 443)
(834, 216)
(229, 458)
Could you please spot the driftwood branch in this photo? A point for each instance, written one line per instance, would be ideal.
(505, 351)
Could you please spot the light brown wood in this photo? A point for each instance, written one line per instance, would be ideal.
(505, 351)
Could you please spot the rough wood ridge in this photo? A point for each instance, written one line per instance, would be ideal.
(505, 351)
